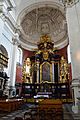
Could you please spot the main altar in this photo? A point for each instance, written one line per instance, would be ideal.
(47, 73)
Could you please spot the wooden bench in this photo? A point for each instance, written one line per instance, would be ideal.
(52, 109)
(10, 104)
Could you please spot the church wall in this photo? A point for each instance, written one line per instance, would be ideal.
(26, 53)
(7, 21)
(73, 21)
(1, 28)
(18, 74)
(7, 32)
(6, 38)
(63, 52)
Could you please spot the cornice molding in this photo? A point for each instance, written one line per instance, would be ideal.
(15, 40)
(5, 14)
(11, 3)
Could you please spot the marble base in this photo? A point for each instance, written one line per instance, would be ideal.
(75, 109)
(12, 91)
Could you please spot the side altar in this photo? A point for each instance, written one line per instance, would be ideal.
(48, 71)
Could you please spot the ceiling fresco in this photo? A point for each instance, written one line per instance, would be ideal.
(44, 20)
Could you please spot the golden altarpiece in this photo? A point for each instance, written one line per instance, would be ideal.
(46, 65)
(48, 70)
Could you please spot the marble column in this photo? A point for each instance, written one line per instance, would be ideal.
(13, 69)
(75, 94)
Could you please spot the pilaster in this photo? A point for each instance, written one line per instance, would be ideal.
(75, 88)
(38, 71)
(13, 67)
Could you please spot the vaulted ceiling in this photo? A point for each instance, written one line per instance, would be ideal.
(42, 18)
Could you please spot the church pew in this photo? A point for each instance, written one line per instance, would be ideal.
(10, 104)
(52, 109)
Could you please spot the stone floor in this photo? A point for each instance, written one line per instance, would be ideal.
(11, 116)
(19, 113)
(67, 113)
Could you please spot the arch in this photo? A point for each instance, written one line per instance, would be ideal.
(29, 8)
(19, 55)
(3, 50)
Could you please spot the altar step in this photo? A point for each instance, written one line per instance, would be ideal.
(68, 114)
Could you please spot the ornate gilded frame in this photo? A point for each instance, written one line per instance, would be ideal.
(41, 72)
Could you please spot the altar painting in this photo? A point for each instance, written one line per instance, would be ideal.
(45, 72)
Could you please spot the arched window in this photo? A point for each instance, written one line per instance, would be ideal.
(69, 55)
(19, 56)
(3, 50)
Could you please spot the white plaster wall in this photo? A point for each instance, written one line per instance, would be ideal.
(12, 54)
(1, 28)
(73, 20)
(6, 39)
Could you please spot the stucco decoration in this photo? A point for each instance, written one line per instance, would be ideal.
(44, 20)
(70, 3)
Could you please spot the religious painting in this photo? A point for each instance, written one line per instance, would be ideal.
(45, 71)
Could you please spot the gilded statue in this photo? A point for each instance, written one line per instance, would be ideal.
(45, 38)
(26, 70)
(38, 52)
(63, 70)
